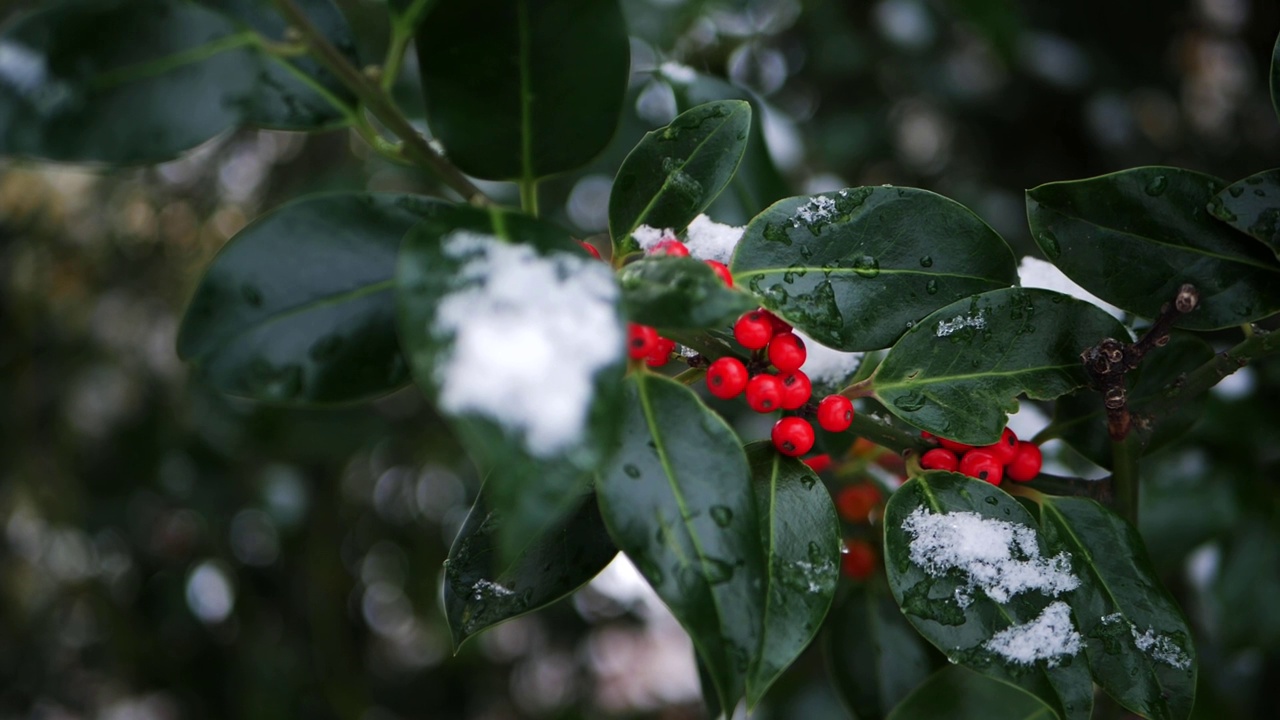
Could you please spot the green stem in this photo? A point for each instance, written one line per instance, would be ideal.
(380, 105)
(886, 435)
(402, 29)
(1125, 456)
(690, 376)
(529, 196)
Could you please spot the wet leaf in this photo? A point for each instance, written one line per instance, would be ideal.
(299, 306)
(854, 269)
(1252, 206)
(675, 172)
(1158, 223)
(959, 694)
(800, 533)
(677, 498)
(482, 590)
(961, 613)
(553, 75)
(1137, 641)
(958, 372)
(679, 293)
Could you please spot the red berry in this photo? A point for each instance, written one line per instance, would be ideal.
(982, 465)
(855, 502)
(1026, 462)
(835, 413)
(818, 463)
(780, 326)
(753, 330)
(925, 434)
(858, 560)
(723, 271)
(796, 390)
(786, 352)
(641, 340)
(939, 459)
(1004, 448)
(661, 352)
(952, 445)
(670, 246)
(792, 436)
(764, 393)
(590, 249)
(727, 377)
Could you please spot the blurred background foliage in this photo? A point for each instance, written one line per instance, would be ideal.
(167, 552)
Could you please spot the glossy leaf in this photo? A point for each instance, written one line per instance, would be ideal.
(677, 498)
(518, 90)
(800, 534)
(1138, 642)
(963, 632)
(874, 656)
(855, 268)
(299, 306)
(1081, 420)
(956, 693)
(1275, 77)
(958, 372)
(675, 172)
(482, 590)
(1153, 222)
(679, 293)
(1252, 206)
(282, 99)
(179, 75)
(536, 462)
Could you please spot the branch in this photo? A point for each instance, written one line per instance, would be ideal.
(415, 147)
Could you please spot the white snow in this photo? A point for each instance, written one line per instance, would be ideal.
(675, 72)
(1050, 637)
(998, 557)
(823, 365)
(528, 333)
(647, 236)
(710, 240)
(959, 322)
(1036, 273)
(1161, 648)
(487, 589)
(819, 209)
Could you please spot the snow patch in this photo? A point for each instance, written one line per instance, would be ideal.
(819, 209)
(487, 589)
(1161, 648)
(1051, 636)
(1036, 273)
(998, 557)
(528, 334)
(710, 240)
(960, 322)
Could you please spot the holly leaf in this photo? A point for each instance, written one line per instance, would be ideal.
(1153, 222)
(1275, 77)
(299, 306)
(516, 335)
(855, 268)
(679, 293)
(675, 172)
(1137, 642)
(800, 533)
(677, 498)
(553, 75)
(957, 693)
(958, 372)
(481, 589)
(1252, 206)
(971, 572)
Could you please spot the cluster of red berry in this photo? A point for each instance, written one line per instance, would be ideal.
(1018, 459)
(773, 343)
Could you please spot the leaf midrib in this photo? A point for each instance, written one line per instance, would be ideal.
(898, 385)
(853, 271)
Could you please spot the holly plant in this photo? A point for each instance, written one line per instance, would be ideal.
(605, 385)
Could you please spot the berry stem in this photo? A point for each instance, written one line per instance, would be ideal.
(1124, 477)
(690, 376)
(862, 388)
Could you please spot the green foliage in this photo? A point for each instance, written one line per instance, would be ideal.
(1252, 206)
(553, 75)
(961, 694)
(856, 268)
(679, 293)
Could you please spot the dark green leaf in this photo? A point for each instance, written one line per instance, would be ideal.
(855, 268)
(874, 656)
(480, 590)
(1153, 222)
(1243, 593)
(800, 533)
(1002, 579)
(517, 89)
(1252, 206)
(516, 334)
(675, 172)
(169, 76)
(958, 372)
(1275, 77)
(299, 306)
(283, 99)
(679, 293)
(955, 693)
(678, 500)
(1081, 420)
(1138, 643)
